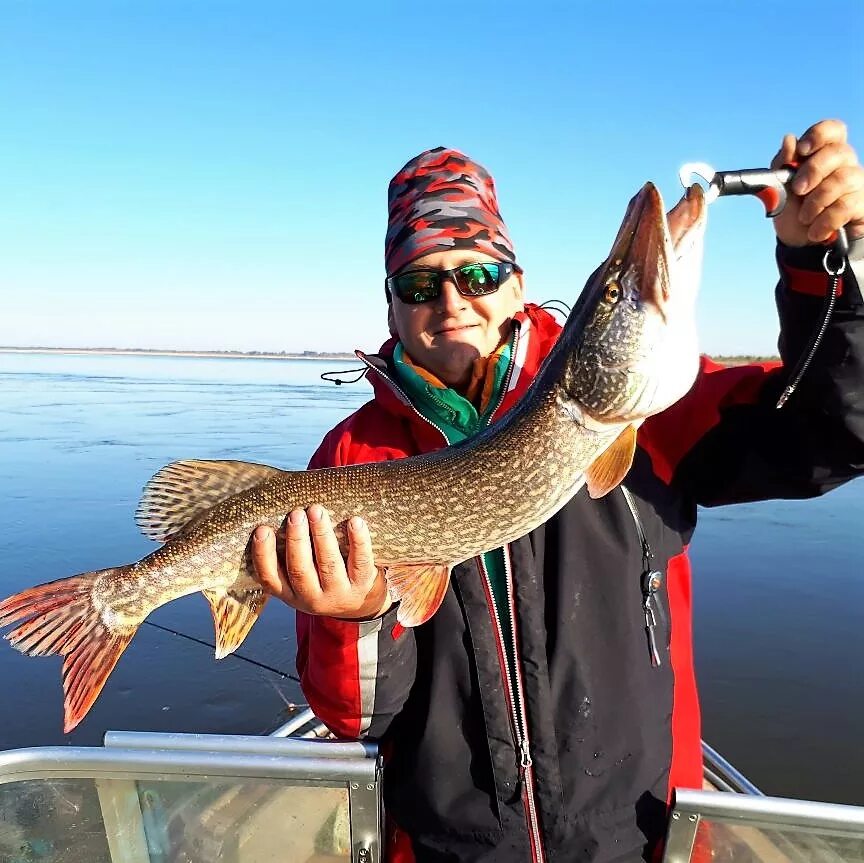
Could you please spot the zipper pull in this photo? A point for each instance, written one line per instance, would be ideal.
(651, 583)
(524, 758)
(650, 623)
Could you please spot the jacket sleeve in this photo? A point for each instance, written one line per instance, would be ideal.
(356, 675)
(727, 442)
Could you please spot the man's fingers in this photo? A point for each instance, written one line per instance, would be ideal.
(362, 571)
(823, 163)
(819, 134)
(840, 213)
(786, 153)
(315, 579)
(361, 564)
(328, 556)
(846, 180)
(299, 561)
(266, 562)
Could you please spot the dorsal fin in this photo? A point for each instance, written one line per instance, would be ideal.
(611, 466)
(183, 490)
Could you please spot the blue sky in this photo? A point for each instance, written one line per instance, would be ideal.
(213, 175)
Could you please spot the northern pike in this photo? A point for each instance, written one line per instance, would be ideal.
(627, 351)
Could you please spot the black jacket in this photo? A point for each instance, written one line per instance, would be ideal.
(577, 763)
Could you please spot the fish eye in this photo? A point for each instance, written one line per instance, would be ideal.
(613, 293)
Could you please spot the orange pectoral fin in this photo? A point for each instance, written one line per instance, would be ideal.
(419, 589)
(608, 470)
(234, 614)
(60, 618)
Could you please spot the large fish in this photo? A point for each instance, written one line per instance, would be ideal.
(628, 350)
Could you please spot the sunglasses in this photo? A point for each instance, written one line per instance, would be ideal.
(471, 280)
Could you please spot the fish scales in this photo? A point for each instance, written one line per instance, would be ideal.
(543, 443)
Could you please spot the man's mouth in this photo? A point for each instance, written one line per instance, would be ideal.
(457, 328)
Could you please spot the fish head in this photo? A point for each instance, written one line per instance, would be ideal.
(633, 332)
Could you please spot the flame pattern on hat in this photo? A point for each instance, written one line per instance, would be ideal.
(442, 200)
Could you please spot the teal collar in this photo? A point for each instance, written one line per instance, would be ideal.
(457, 417)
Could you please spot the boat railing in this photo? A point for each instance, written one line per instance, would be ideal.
(746, 825)
(720, 775)
(303, 724)
(707, 826)
(151, 798)
(295, 795)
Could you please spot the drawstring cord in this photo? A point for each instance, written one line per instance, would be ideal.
(332, 377)
(833, 274)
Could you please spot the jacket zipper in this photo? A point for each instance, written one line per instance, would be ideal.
(405, 398)
(651, 582)
(517, 698)
(505, 386)
(526, 765)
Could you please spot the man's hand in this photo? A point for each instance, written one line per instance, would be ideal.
(314, 577)
(828, 189)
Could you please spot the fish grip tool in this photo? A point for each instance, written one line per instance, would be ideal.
(770, 186)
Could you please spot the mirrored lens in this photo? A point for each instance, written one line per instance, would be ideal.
(475, 280)
(417, 287)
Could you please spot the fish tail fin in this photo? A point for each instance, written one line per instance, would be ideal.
(61, 618)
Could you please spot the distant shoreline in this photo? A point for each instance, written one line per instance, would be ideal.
(740, 359)
(141, 352)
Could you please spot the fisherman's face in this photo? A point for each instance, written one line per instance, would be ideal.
(448, 334)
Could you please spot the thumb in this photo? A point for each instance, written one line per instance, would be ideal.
(786, 153)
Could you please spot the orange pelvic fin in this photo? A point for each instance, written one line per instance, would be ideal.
(608, 470)
(419, 589)
(234, 614)
(60, 618)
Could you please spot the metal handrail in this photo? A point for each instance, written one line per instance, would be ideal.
(773, 812)
(295, 723)
(723, 776)
(291, 746)
(51, 762)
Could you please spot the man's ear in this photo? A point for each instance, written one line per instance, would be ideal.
(518, 286)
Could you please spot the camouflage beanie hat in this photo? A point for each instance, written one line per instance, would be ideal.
(442, 200)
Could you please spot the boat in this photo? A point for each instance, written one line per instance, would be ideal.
(300, 797)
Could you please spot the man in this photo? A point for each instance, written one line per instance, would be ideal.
(542, 713)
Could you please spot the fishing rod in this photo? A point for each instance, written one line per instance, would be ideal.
(202, 641)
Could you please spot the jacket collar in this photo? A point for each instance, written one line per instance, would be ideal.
(537, 332)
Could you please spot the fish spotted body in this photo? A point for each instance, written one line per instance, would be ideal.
(627, 351)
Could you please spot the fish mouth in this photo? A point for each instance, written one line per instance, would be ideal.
(638, 328)
(651, 243)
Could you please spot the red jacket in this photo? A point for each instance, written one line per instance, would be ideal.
(607, 733)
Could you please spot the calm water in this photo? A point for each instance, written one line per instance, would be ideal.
(778, 588)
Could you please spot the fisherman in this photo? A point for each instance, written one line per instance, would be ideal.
(548, 708)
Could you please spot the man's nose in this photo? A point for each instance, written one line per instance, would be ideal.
(450, 299)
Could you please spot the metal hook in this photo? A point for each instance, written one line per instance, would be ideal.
(701, 171)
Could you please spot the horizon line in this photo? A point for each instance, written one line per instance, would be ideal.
(261, 355)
